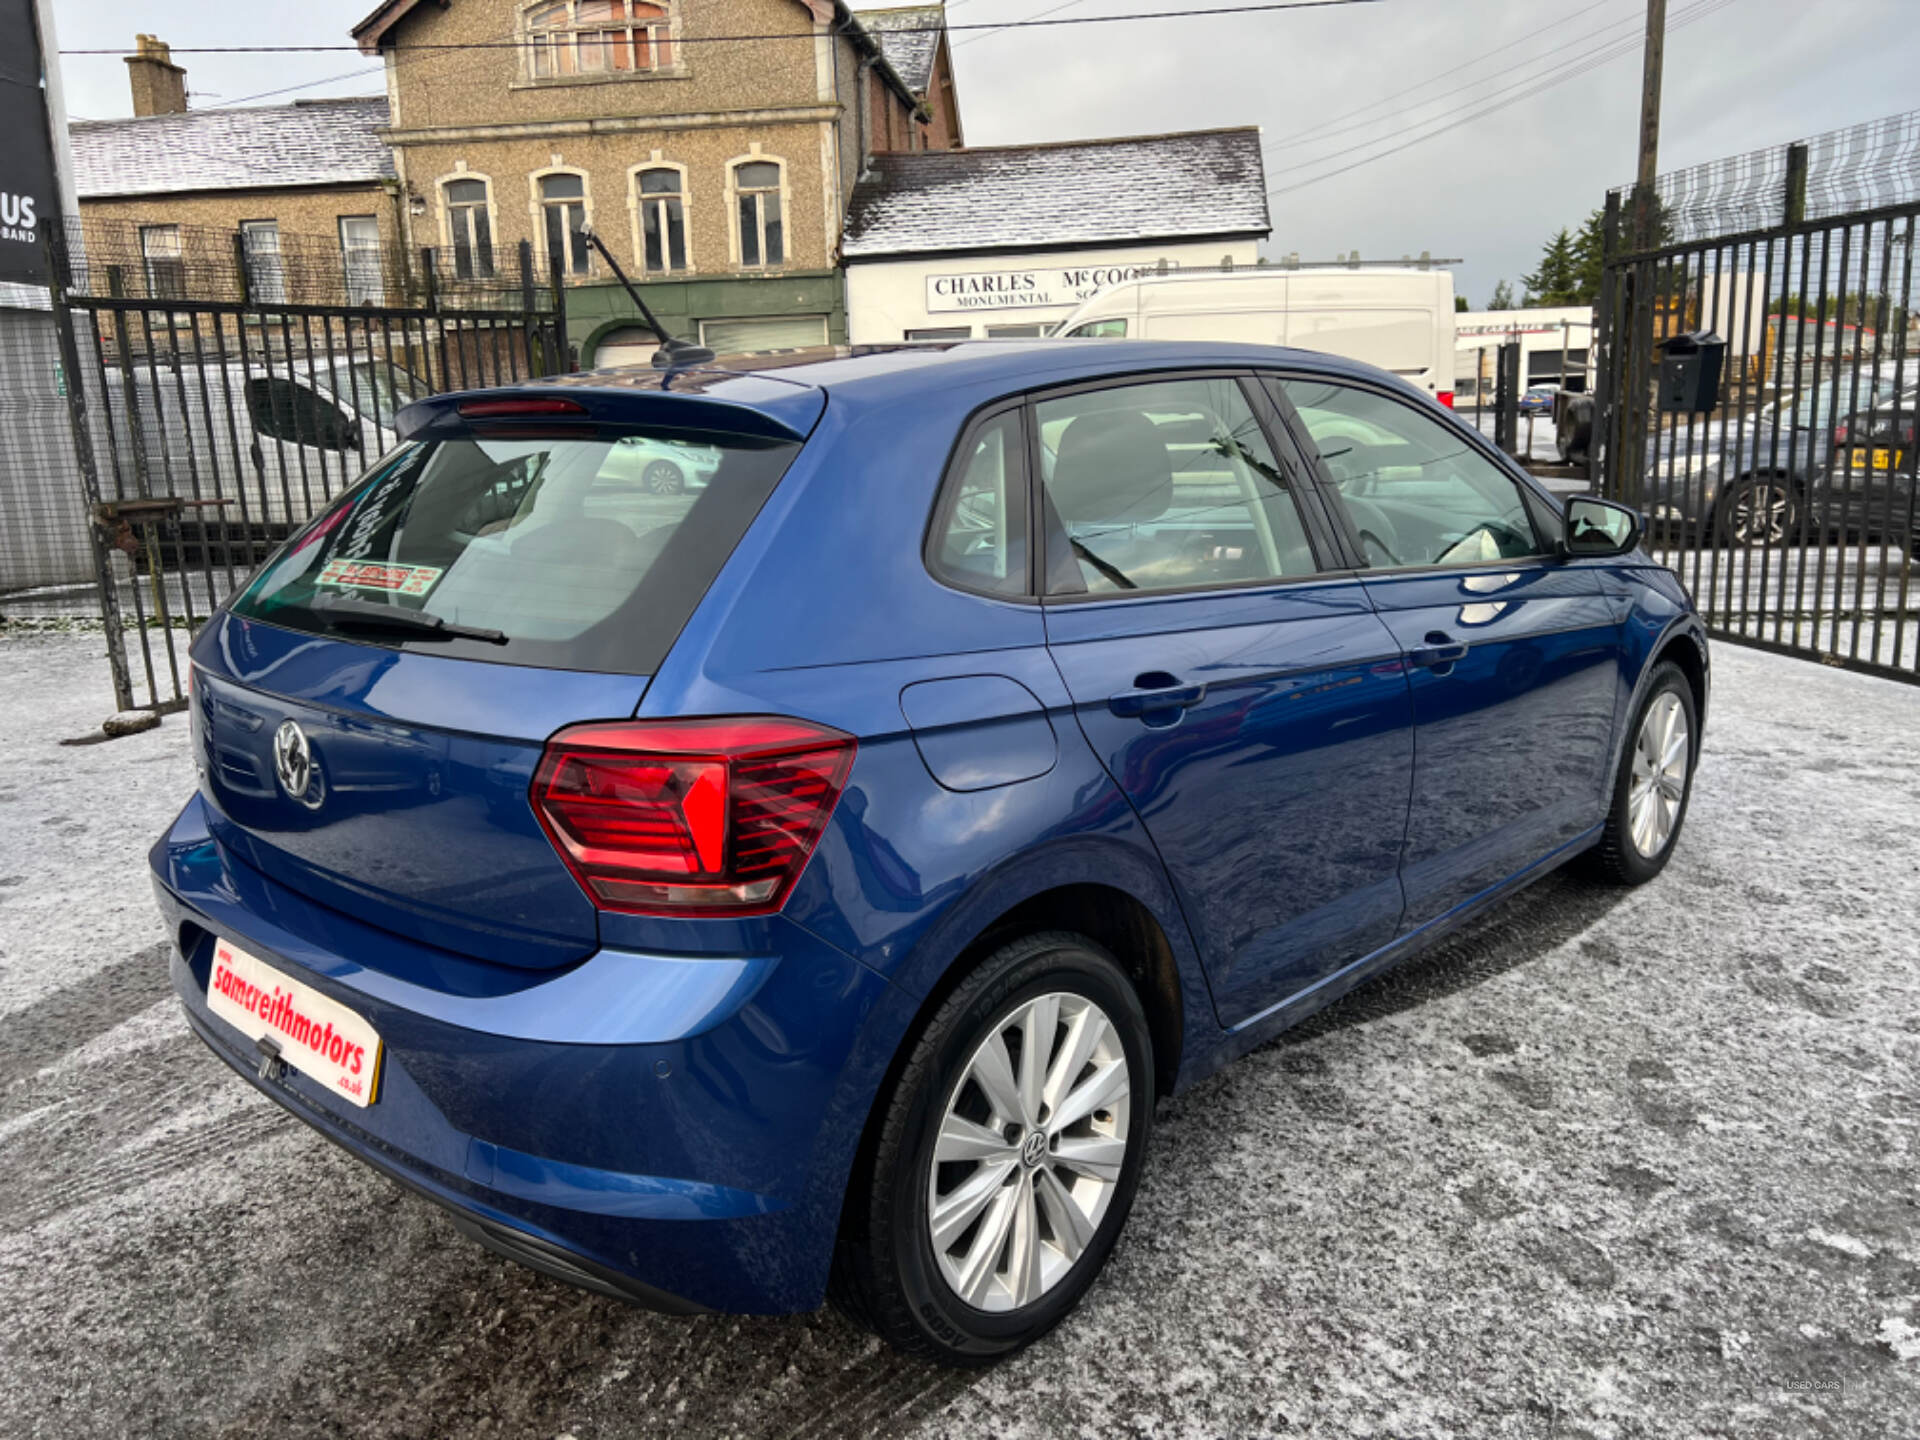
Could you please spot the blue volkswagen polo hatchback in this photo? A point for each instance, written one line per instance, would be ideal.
(806, 882)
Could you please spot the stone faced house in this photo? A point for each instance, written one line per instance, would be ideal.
(308, 187)
(712, 145)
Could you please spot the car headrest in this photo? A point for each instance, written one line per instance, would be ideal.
(1112, 469)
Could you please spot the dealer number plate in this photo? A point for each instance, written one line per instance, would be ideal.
(317, 1035)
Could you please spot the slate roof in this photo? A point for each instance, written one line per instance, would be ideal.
(310, 142)
(1014, 197)
(909, 38)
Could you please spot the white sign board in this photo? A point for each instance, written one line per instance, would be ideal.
(1027, 289)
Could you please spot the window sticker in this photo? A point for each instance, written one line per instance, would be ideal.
(387, 579)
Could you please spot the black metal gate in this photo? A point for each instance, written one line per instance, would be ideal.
(1788, 507)
(221, 393)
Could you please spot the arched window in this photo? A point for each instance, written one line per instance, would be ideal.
(760, 212)
(663, 218)
(568, 38)
(563, 206)
(469, 228)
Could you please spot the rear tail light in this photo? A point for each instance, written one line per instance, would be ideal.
(690, 817)
(1840, 433)
(1445, 397)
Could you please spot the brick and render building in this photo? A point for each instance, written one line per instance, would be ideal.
(717, 169)
(166, 191)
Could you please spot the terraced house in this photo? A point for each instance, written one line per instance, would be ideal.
(712, 145)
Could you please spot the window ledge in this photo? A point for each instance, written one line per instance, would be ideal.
(624, 77)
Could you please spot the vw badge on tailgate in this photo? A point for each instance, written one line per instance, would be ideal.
(293, 764)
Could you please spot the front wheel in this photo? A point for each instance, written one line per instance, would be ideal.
(1007, 1157)
(1655, 782)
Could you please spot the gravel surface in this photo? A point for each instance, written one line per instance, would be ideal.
(1613, 1164)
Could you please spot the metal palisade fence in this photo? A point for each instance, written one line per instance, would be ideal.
(219, 395)
(1786, 501)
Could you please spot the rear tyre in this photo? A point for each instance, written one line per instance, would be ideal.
(1758, 510)
(1655, 782)
(1006, 1159)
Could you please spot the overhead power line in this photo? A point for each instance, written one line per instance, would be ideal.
(1487, 105)
(1038, 22)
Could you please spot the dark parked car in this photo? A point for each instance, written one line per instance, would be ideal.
(806, 882)
(1761, 479)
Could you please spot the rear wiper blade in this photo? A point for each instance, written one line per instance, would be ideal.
(348, 614)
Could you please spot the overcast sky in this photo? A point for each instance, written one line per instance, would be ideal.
(1743, 75)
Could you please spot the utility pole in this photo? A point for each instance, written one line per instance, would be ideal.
(1643, 237)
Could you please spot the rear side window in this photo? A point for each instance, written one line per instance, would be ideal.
(1166, 486)
(979, 539)
(575, 553)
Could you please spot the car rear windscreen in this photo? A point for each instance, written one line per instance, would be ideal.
(584, 552)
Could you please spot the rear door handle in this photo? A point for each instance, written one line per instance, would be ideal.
(1440, 650)
(1152, 696)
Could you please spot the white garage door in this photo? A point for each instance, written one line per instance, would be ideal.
(625, 347)
(776, 332)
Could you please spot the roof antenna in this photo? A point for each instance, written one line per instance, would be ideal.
(672, 353)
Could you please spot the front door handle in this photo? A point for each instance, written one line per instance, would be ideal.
(1154, 693)
(1439, 653)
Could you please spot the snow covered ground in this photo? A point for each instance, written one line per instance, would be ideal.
(1613, 1164)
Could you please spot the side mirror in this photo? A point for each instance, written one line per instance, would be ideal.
(1598, 527)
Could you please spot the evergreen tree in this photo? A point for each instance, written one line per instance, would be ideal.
(1502, 297)
(1553, 283)
(1589, 248)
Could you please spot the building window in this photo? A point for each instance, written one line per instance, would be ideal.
(571, 38)
(1015, 332)
(266, 277)
(469, 228)
(756, 188)
(941, 332)
(360, 259)
(563, 206)
(166, 270)
(663, 219)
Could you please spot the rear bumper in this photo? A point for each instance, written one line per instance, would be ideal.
(672, 1131)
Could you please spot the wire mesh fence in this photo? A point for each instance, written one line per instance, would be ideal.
(1785, 494)
(1843, 172)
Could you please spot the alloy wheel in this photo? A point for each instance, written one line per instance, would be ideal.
(1659, 784)
(1762, 512)
(1031, 1146)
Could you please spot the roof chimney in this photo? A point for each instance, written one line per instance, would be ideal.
(159, 85)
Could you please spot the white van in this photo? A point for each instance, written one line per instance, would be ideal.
(1399, 319)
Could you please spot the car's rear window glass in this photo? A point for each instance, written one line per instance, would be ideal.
(586, 552)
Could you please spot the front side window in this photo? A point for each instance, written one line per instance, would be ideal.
(1167, 485)
(563, 212)
(569, 39)
(1100, 330)
(663, 220)
(470, 229)
(979, 539)
(166, 267)
(756, 187)
(360, 259)
(1416, 490)
(266, 279)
